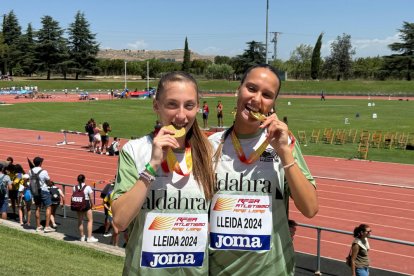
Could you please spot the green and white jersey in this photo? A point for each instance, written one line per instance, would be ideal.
(169, 235)
(249, 233)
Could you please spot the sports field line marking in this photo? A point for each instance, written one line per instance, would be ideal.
(40, 145)
(365, 182)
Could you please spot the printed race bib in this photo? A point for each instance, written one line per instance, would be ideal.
(174, 240)
(240, 222)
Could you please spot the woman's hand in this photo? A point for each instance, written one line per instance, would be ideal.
(277, 133)
(161, 143)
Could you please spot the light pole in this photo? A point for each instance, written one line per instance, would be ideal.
(267, 16)
(147, 75)
(125, 75)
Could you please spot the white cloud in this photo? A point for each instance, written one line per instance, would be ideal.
(139, 44)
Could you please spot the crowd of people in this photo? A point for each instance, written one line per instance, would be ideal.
(98, 136)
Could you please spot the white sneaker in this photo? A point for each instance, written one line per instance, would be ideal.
(40, 228)
(91, 239)
(49, 229)
(82, 239)
(109, 234)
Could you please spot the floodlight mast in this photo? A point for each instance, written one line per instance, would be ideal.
(125, 71)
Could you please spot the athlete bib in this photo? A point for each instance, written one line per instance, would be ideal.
(240, 222)
(174, 240)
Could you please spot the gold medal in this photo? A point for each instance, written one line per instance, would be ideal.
(177, 132)
(258, 116)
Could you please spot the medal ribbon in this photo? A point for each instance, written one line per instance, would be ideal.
(256, 154)
(171, 164)
(239, 150)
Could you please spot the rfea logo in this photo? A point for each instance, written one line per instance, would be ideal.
(162, 223)
(224, 204)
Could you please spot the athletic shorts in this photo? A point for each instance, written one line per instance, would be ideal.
(90, 138)
(220, 115)
(104, 138)
(205, 115)
(97, 137)
(4, 204)
(44, 199)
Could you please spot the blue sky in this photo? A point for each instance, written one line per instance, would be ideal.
(223, 27)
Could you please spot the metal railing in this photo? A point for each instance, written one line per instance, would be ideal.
(319, 230)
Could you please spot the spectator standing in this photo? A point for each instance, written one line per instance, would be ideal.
(106, 128)
(11, 172)
(322, 95)
(43, 199)
(219, 114)
(107, 204)
(359, 251)
(87, 212)
(57, 196)
(25, 202)
(18, 181)
(205, 114)
(96, 137)
(89, 128)
(107, 190)
(5, 186)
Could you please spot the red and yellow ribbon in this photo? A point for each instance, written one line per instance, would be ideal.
(256, 154)
(171, 163)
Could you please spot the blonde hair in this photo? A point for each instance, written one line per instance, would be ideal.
(201, 149)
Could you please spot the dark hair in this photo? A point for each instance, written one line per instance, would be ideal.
(18, 168)
(360, 229)
(266, 66)
(105, 126)
(11, 168)
(81, 178)
(201, 149)
(292, 223)
(10, 159)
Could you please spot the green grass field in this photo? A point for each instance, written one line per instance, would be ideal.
(28, 254)
(132, 118)
(361, 87)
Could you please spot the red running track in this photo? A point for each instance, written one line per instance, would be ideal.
(350, 192)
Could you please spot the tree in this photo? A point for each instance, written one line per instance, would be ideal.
(219, 71)
(11, 35)
(186, 60)
(27, 48)
(316, 58)
(300, 61)
(222, 60)
(405, 59)
(253, 55)
(368, 68)
(49, 48)
(199, 65)
(3, 53)
(82, 46)
(340, 60)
